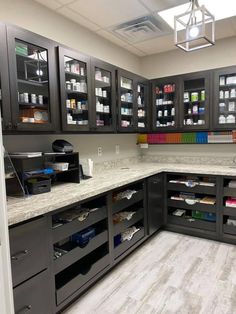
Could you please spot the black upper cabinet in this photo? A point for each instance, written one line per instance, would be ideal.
(4, 82)
(33, 81)
(165, 107)
(75, 90)
(133, 102)
(103, 96)
(195, 101)
(224, 99)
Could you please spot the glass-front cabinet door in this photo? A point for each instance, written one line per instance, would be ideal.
(127, 114)
(33, 81)
(224, 107)
(194, 102)
(103, 96)
(75, 90)
(4, 82)
(142, 103)
(165, 106)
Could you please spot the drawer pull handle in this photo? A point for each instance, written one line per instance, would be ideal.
(26, 309)
(20, 255)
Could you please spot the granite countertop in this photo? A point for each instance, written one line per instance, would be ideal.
(62, 195)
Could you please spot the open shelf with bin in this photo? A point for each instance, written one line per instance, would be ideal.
(192, 202)
(80, 245)
(128, 218)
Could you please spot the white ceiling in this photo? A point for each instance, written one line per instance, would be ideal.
(101, 15)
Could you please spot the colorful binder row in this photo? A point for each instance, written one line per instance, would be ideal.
(188, 138)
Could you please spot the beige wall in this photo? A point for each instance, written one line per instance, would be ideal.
(39, 19)
(178, 62)
(85, 144)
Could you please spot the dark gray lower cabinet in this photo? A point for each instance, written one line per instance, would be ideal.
(34, 295)
(155, 205)
(29, 249)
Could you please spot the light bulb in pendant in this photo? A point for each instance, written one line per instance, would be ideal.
(194, 32)
(39, 72)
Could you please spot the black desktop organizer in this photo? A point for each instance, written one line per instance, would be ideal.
(24, 164)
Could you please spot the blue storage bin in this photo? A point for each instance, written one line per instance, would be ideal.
(82, 238)
(210, 217)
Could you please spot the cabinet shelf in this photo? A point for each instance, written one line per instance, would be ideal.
(75, 74)
(74, 226)
(193, 223)
(124, 246)
(196, 189)
(125, 88)
(102, 84)
(102, 112)
(31, 105)
(197, 206)
(44, 84)
(123, 225)
(76, 92)
(77, 253)
(105, 98)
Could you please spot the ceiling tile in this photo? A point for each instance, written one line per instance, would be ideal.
(111, 37)
(154, 5)
(134, 50)
(70, 14)
(157, 45)
(107, 12)
(65, 2)
(51, 4)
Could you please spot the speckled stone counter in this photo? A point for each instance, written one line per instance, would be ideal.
(62, 195)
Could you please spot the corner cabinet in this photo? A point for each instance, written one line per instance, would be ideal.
(103, 96)
(224, 99)
(33, 81)
(4, 82)
(194, 104)
(165, 104)
(133, 102)
(75, 86)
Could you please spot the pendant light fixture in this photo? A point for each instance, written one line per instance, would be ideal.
(194, 29)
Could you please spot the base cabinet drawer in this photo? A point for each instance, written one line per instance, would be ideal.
(34, 296)
(29, 249)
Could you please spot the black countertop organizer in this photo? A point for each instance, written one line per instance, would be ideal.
(40, 182)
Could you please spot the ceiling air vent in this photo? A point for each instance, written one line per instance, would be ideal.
(141, 29)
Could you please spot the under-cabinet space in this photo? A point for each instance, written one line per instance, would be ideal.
(77, 218)
(78, 245)
(127, 196)
(75, 276)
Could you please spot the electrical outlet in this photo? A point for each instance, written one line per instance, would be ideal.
(99, 151)
(117, 149)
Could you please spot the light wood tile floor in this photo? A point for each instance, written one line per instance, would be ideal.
(171, 273)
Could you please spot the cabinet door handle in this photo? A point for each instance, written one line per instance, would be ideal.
(25, 309)
(19, 255)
